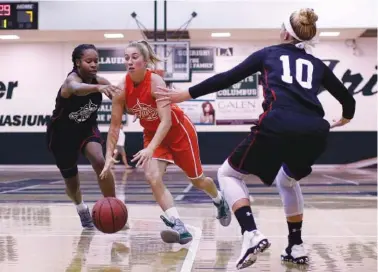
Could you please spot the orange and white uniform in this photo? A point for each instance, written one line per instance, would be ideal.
(180, 145)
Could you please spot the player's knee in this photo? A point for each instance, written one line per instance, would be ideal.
(153, 177)
(98, 163)
(297, 172)
(233, 187)
(223, 171)
(291, 194)
(227, 171)
(69, 172)
(201, 182)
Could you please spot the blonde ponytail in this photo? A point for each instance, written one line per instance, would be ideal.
(153, 58)
(146, 51)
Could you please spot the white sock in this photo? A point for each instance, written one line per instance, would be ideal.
(218, 198)
(172, 212)
(81, 206)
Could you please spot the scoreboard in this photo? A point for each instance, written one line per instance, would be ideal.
(18, 15)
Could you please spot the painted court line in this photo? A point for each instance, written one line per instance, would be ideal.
(187, 189)
(12, 181)
(28, 187)
(58, 181)
(193, 249)
(343, 180)
(20, 189)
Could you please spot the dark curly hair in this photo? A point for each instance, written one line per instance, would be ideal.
(79, 52)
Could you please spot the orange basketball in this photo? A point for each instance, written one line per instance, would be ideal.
(109, 215)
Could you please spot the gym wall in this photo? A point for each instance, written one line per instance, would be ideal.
(31, 74)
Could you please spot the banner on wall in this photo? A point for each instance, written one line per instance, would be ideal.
(247, 88)
(201, 59)
(200, 112)
(238, 105)
(104, 114)
(111, 60)
(103, 118)
(225, 51)
(26, 104)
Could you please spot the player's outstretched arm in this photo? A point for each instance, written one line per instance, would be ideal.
(118, 105)
(74, 85)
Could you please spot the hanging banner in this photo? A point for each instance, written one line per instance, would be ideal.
(201, 59)
(238, 105)
(111, 60)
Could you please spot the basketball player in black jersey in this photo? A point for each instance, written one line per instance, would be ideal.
(290, 135)
(73, 126)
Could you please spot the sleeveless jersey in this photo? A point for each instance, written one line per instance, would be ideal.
(140, 101)
(76, 110)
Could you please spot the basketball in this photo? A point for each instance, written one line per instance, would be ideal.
(109, 215)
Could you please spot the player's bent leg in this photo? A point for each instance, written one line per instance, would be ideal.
(154, 172)
(71, 179)
(236, 194)
(292, 199)
(207, 185)
(65, 157)
(177, 233)
(186, 155)
(94, 153)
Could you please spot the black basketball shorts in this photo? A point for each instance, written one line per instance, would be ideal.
(281, 138)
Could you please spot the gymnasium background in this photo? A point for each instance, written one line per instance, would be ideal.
(33, 67)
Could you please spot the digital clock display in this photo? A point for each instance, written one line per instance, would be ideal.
(18, 15)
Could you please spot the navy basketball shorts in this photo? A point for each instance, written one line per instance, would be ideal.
(66, 144)
(297, 141)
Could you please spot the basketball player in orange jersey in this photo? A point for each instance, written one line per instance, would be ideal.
(169, 137)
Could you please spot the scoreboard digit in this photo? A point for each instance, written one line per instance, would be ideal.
(18, 15)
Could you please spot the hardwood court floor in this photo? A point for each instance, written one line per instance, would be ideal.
(40, 230)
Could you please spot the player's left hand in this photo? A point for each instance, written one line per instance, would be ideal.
(172, 95)
(143, 157)
(108, 164)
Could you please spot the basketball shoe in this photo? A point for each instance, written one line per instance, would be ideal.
(224, 213)
(254, 243)
(178, 232)
(86, 218)
(295, 254)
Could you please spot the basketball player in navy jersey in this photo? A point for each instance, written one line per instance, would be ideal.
(73, 126)
(289, 136)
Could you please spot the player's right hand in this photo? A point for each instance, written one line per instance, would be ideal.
(343, 121)
(170, 96)
(109, 90)
(108, 164)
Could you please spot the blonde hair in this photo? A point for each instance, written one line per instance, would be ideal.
(304, 23)
(146, 50)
